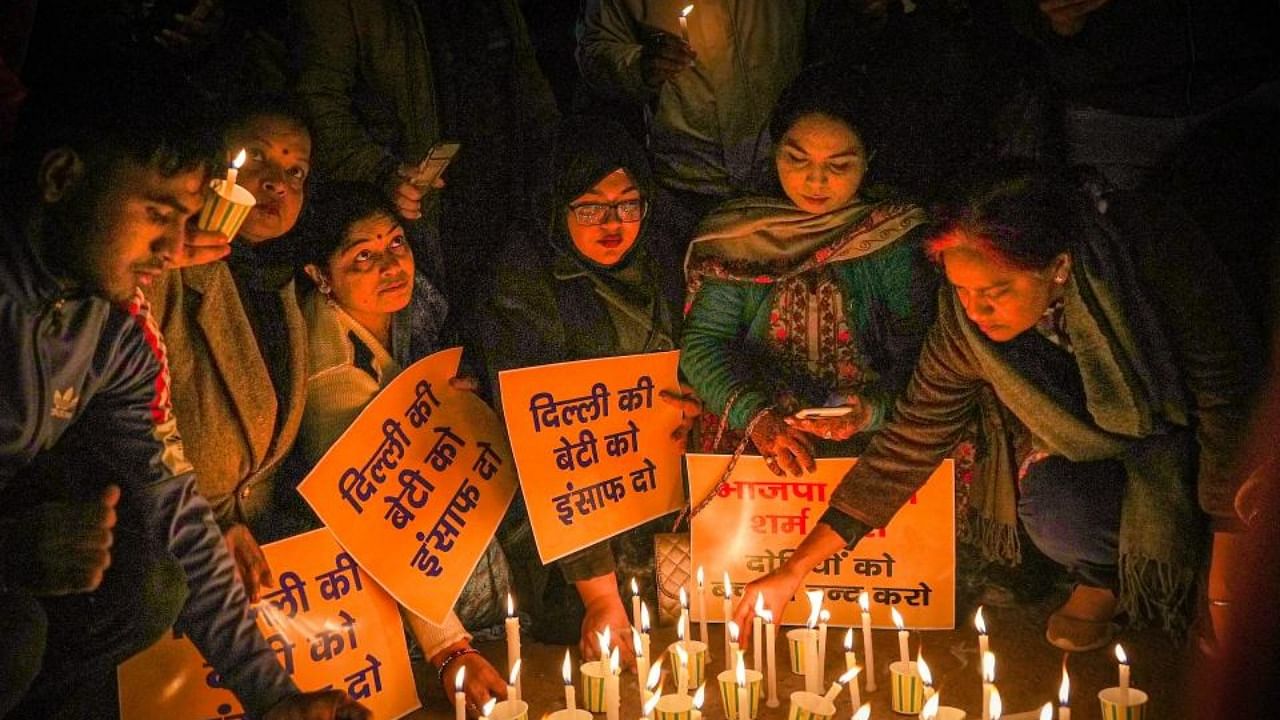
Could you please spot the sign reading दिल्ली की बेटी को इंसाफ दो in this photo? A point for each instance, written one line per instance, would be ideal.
(594, 447)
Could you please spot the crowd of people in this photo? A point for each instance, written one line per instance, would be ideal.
(1040, 237)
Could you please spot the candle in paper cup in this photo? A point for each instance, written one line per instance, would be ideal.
(642, 660)
(702, 607)
(796, 639)
(459, 697)
(727, 680)
(732, 628)
(728, 610)
(1123, 665)
(592, 675)
(566, 670)
(757, 641)
(810, 706)
(904, 648)
(1123, 706)
(823, 618)
(225, 208)
(673, 707)
(682, 669)
(635, 602)
(513, 635)
(868, 650)
(510, 710)
(771, 658)
(980, 624)
(744, 703)
(233, 170)
(1064, 693)
(907, 690)
(684, 23)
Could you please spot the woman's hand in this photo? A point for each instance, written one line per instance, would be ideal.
(778, 587)
(690, 408)
(785, 449)
(604, 610)
(251, 564)
(840, 427)
(481, 681)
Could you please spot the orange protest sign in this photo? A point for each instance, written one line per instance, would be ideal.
(592, 441)
(416, 487)
(330, 625)
(757, 520)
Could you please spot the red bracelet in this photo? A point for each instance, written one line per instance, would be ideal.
(450, 658)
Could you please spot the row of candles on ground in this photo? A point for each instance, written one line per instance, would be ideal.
(740, 688)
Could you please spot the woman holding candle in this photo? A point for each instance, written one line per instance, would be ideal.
(818, 298)
(593, 286)
(1119, 362)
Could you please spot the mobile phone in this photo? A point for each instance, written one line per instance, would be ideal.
(822, 412)
(437, 159)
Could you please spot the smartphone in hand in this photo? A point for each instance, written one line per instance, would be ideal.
(822, 412)
(434, 164)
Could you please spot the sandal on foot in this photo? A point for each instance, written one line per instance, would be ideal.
(1077, 634)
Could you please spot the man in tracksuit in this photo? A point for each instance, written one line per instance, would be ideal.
(104, 542)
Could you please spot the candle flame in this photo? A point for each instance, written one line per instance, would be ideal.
(930, 711)
(681, 656)
(1120, 656)
(728, 585)
(635, 589)
(651, 703)
(864, 600)
(515, 671)
(848, 640)
(824, 617)
(759, 607)
(684, 599)
(615, 662)
(459, 678)
(680, 631)
(687, 9)
(566, 670)
(897, 617)
(603, 639)
(979, 623)
(699, 697)
(487, 710)
(511, 606)
(644, 617)
(815, 607)
(1064, 690)
(997, 707)
(240, 158)
(864, 712)
(740, 672)
(701, 578)
(767, 615)
(1046, 712)
(849, 675)
(734, 631)
(655, 676)
(922, 667)
(988, 667)
(636, 643)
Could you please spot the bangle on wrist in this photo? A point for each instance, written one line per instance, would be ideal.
(450, 659)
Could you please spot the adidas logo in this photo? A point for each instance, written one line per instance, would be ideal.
(64, 403)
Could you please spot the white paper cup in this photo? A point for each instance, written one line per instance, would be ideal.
(1114, 706)
(507, 710)
(697, 652)
(565, 714)
(593, 674)
(673, 707)
(946, 712)
(907, 689)
(810, 706)
(795, 649)
(225, 210)
(728, 682)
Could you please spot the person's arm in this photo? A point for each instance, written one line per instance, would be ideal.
(330, 60)
(714, 326)
(147, 455)
(610, 53)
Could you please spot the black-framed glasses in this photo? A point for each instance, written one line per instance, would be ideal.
(627, 211)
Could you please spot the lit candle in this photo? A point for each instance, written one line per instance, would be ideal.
(682, 670)
(487, 710)
(644, 627)
(997, 707)
(1046, 712)
(732, 629)
(650, 704)
(926, 676)
(683, 624)
(728, 611)
(980, 624)
(635, 602)
(1124, 674)
(570, 695)
(864, 713)
(513, 684)
(611, 695)
(988, 683)
(811, 682)
(642, 662)
(868, 651)
(234, 171)
(459, 697)
(684, 23)
(834, 690)
(653, 680)
(823, 618)
(702, 608)
(744, 702)
(757, 639)
(904, 643)
(1064, 693)
(699, 697)
(930, 709)
(513, 636)
(771, 657)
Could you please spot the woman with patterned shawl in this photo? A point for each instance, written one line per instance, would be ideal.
(820, 298)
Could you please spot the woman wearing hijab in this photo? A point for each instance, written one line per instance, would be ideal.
(592, 286)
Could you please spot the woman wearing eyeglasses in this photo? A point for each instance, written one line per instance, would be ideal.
(591, 286)
(815, 301)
